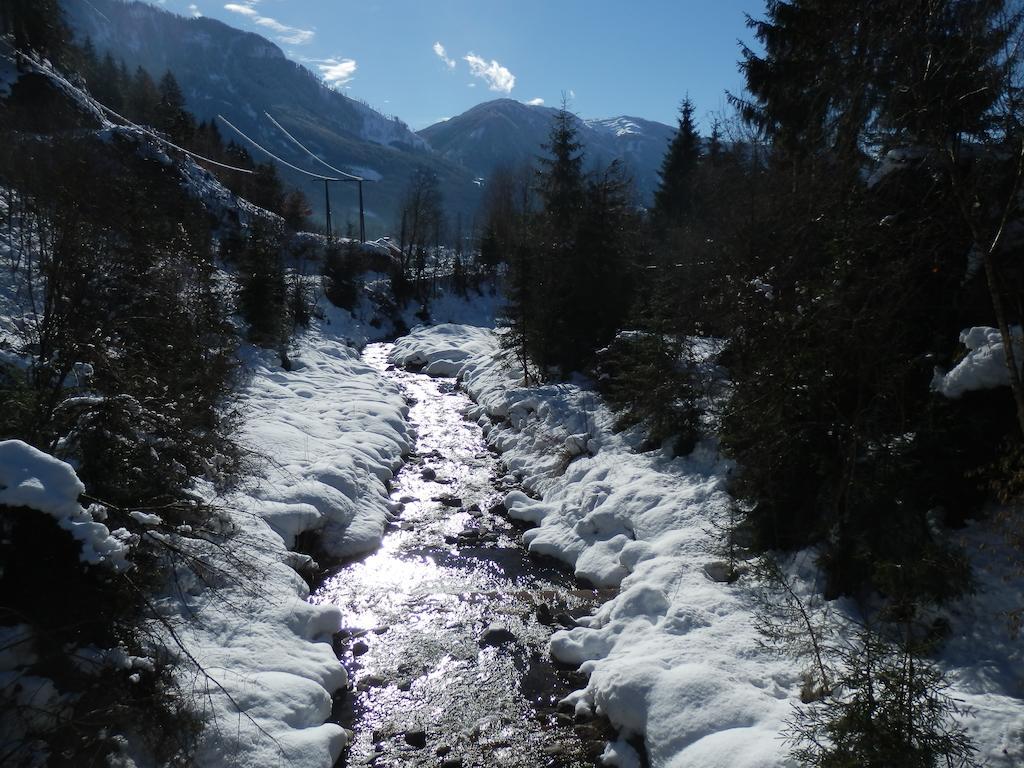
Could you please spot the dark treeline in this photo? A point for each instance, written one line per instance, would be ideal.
(161, 104)
(121, 359)
(839, 236)
(859, 209)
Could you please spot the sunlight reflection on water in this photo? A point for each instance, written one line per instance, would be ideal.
(416, 611)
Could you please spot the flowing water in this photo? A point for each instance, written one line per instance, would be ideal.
(446, 624)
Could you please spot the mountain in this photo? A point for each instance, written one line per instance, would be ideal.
(223, 70)
(505, 131)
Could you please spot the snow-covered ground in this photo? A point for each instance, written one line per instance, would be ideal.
(330, 433)
(254, 656)
(674, 658)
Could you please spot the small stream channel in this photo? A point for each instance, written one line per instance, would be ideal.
(446, 624)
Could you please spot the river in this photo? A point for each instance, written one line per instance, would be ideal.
(446, 625)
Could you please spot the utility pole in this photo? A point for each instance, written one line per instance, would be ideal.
(327, 202)
(362, 221)
(344, 175)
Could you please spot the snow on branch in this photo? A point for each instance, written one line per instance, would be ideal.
(33, 479)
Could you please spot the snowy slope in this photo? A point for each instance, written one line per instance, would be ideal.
(674, 657)
(330, 433)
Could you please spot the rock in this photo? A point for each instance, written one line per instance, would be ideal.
(416, 739)
(469, 533)
(451, 762)
(380, 629)
(407, 500)
(443, 750)
(405, 685)
(448, 501)
(359, 648)
(406, 525)
(449, 539)
(428, 474)
(720, 572)
(368, 682)
(544, 614)
(496, 634)
(498, 509)
(566, 620)
(473, 508)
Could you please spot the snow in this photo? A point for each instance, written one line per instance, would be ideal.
(37, 480)
(331, 432)
(477, 309)
(984, 365)
(674, 657)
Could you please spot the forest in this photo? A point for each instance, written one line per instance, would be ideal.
(848, 235)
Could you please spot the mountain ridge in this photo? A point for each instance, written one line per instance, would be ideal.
(509, 132)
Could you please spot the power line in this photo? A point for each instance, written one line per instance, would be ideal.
(162, 140)
(271, 154)
(315, 157)
(96, 104)
(327, 195)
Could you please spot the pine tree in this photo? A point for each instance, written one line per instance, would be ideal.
(542, 272)
(143, 99)
(171, 115)
(674, 198)
(36, 25)
(560, 180)
(106, 85)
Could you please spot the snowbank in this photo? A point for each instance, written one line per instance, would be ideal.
(33, 479)
(674, 656)
(331, 432)
(260, 667)
(983, 367)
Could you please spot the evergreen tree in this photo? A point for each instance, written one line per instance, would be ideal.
(674, 198)
(542, 272)
(832, 419)
(36, 25)
(106, 84)
(143, 99)
(560, 180)
(171, 115)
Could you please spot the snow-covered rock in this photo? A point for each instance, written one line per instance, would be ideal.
(36, 480)
(984, 365)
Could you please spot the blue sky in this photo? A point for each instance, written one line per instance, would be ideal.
(425, 60)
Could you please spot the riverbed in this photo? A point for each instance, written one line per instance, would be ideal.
(446, 625)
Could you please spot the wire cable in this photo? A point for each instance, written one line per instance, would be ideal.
(271, 154)
(308, 152)
(96, 104)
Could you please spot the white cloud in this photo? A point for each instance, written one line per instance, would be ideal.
(337, 72)
(285, 33)
(442, 54)
(535, 102)
(471, 85)
(194, 10)
(245, 10)
(498, 78)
